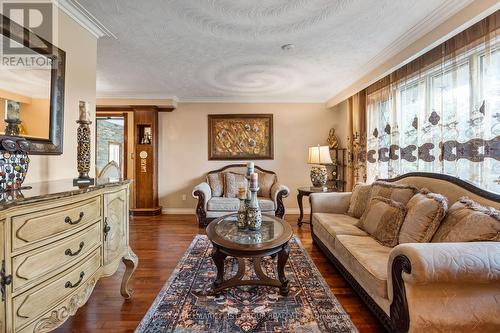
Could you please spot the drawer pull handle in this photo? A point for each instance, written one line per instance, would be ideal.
(77, 283)
(69, 221)
(107, 228)
(70, 253)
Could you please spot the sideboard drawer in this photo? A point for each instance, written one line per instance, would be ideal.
(48, 260)
(34, 302)
(36, 226)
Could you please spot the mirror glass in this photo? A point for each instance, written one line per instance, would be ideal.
(25, 89)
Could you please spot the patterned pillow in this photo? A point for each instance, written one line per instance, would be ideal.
(425, 212)
(396, 192)
(216, 183)
(231, 183)
(383, 219)
(266, 181)
(359, 199)
(468, 221)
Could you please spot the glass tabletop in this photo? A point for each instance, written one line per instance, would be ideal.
(270, 230)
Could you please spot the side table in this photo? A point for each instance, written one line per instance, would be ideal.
(306, 191)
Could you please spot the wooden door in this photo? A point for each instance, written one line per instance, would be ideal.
(115, 224)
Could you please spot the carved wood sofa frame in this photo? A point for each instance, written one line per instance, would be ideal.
(203, 221)
(399, 320)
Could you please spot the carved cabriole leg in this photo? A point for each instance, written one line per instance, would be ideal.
(300, 196)
(282, 259)
(400, 315)
(130, 260)
(200, 209)
(280, 209)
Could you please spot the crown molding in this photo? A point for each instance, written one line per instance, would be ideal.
(84, 18)
(449, 19)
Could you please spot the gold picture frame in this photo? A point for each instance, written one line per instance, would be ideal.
(240, 137)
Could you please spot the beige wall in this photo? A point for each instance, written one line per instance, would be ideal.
(183, 156)
(81, 54)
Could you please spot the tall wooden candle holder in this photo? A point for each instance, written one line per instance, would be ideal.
(83, 154)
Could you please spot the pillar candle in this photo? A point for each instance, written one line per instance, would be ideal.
(250, 168)
(254, 180)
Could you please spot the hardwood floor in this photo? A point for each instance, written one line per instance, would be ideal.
(159, 243)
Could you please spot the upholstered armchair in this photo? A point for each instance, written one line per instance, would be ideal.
(217, 195)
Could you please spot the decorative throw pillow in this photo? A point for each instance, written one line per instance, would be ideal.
(359, 199)
(425, 212)
(382, 219)
(266, 181)
(398, 192)
(216, 183)
(232, 181)
(468, 221)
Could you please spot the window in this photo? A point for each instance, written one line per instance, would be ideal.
(444, 118)
(114, 153)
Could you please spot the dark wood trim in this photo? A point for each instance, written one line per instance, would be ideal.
(125, 135)
(457, 181)
(145, 211)
(400, 315)
(372, 305)
(280, 209)
(131, 108)
(240, 165)
(268, 116)
(54, 144)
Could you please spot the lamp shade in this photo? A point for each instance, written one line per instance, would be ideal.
(319, 155)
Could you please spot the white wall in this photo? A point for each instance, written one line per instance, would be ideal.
(183, 145)
(80, 84)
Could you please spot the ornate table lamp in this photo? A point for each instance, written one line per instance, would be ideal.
(319, 156)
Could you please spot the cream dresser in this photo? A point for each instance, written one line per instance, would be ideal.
(56, 242)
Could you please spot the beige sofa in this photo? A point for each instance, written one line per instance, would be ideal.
(415, 287)
(211, 206)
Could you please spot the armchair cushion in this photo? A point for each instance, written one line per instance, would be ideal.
(359, 199)
(232, 182)
(467, 221)
(216, 182)
(222, 204)
(266, 181)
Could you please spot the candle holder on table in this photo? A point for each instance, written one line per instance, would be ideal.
(254, 214)
(83, 149)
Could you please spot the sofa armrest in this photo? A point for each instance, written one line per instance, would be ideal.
(334, 202)
(452, 286)
(278, 192)
(202, 192)
(278, 188)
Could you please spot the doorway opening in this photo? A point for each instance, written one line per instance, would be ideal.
(111, 141)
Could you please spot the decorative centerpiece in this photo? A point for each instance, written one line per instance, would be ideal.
(254, 215)
(83, 150)
(249, 213)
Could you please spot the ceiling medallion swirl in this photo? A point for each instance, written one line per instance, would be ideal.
(250, 19)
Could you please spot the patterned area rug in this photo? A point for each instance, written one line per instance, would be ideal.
(183, 305)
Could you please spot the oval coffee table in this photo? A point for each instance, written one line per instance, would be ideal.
(271, 240)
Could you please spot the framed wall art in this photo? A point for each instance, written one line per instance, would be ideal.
(240, 137)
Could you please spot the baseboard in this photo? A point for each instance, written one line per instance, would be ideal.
(189, 211)
(179, 211)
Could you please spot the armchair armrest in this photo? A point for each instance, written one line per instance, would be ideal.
(278, 192)
(203, 193)
(334, 202)
(452, 286)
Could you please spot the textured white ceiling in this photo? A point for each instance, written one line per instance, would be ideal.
(231, 49)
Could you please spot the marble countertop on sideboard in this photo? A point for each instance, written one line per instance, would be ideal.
(54, 189)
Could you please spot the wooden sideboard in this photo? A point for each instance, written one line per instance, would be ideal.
(56, 242)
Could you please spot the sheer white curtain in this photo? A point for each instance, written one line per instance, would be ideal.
(443, 117)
